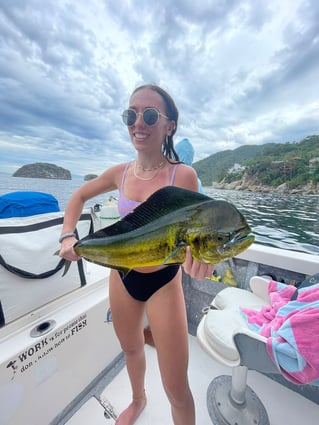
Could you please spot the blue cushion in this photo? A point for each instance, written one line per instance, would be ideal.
(23, 204)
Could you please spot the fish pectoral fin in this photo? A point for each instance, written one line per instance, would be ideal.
(175, 253)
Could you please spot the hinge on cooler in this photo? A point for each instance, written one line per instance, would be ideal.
(205, 310)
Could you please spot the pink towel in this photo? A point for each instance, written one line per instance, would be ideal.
(291, 329)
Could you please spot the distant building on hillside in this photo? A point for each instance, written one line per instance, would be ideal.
(236, 168)
(313, 163)
(276, 164)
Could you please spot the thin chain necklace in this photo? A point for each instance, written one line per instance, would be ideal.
(149, 169)
(153, 169)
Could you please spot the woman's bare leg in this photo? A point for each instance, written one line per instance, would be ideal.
(128, 315)
(167, 317)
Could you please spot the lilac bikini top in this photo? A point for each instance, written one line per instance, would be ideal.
(125, 205)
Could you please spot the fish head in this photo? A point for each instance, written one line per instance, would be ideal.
(222, 246)
(221, 232)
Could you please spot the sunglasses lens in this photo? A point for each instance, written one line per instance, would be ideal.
(150, 116)
(129, 117)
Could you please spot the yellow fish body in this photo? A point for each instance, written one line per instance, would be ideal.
(158, 231)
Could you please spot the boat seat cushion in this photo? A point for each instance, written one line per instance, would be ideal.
(24, 204)
(230, 297)
(219, 327)
(225, 319)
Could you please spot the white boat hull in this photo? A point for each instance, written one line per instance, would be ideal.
(40, 376)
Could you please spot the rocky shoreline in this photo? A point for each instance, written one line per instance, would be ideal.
(308, 189)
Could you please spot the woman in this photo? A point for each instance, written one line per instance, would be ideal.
(152, 120)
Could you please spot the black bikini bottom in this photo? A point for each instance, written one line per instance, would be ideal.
(142, 286)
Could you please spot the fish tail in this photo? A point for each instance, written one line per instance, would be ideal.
(67, 264)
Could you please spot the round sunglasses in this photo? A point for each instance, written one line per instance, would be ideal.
(150, 116)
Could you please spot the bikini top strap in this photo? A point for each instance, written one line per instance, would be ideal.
(123, 175)
(173, 175)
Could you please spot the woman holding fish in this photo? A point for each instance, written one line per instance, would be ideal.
(152, 121)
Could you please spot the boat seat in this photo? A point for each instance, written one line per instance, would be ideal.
(225, 336)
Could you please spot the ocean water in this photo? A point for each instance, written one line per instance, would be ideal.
(61, 189)
(284, 221)
(280, 220)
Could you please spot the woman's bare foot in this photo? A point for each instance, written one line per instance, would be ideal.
(132, 412)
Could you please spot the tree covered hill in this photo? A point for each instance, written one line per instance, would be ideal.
(271, 164)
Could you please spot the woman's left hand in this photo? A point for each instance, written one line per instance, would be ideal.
(195, 268)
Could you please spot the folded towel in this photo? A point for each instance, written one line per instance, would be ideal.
(291, 329)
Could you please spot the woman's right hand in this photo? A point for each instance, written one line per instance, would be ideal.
(67, 252)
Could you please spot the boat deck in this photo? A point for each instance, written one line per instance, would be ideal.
(283, 405)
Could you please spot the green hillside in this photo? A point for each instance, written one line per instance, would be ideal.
(271, 164)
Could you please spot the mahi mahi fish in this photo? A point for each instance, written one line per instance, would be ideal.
(158, 231)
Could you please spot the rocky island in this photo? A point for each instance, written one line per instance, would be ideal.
(43, 170)
(88, 177)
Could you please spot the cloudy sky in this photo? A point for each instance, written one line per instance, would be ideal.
(240, 71)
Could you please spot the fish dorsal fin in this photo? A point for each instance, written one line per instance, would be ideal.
(162, 202)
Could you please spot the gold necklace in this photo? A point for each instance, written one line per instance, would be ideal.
(147, 178)
(150, 169)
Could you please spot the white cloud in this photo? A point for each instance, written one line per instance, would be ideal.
(241, 72)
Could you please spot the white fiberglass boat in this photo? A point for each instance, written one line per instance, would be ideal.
(61, 363)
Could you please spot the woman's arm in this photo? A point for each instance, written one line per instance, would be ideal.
(107, 182)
